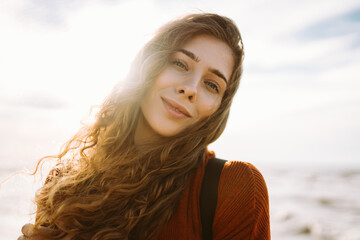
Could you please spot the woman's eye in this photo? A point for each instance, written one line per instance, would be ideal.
(213, 86)
(180, 64)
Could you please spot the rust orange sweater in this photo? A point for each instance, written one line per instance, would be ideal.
(242, 210)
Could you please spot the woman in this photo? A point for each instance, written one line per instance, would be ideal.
(136, 173)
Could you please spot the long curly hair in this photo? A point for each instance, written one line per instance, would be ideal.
(105, 188)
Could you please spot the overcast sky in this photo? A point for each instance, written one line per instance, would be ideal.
(298, 103)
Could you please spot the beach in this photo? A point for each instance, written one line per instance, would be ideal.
(314, 204)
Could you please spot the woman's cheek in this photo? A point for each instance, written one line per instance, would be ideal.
(210, 106)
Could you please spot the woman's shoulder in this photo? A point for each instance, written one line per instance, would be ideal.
(241, 174)
(241, 180)
(243, 203)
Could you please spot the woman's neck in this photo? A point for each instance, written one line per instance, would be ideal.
(143, 132)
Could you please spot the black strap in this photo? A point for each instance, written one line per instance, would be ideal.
(209, 194)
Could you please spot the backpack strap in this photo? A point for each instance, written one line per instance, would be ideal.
(209, 194)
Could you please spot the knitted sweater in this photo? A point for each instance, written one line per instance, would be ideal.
(242, 210)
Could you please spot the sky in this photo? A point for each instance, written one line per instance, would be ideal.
(298, 104)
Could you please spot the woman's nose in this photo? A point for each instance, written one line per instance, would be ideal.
(188, 89)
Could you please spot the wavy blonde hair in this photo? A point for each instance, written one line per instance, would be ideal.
(105, 188)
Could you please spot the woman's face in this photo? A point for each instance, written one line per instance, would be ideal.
(189, 88)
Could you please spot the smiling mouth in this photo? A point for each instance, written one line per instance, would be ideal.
(175, 109)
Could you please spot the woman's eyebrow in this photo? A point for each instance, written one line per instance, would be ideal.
(189, 54)
(218, 73)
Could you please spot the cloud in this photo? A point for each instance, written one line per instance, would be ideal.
(33, 100)
(299, 55)
(54, 12)
(344, 24)
(306, 47)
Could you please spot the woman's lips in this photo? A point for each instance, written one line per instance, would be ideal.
(176, 110)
